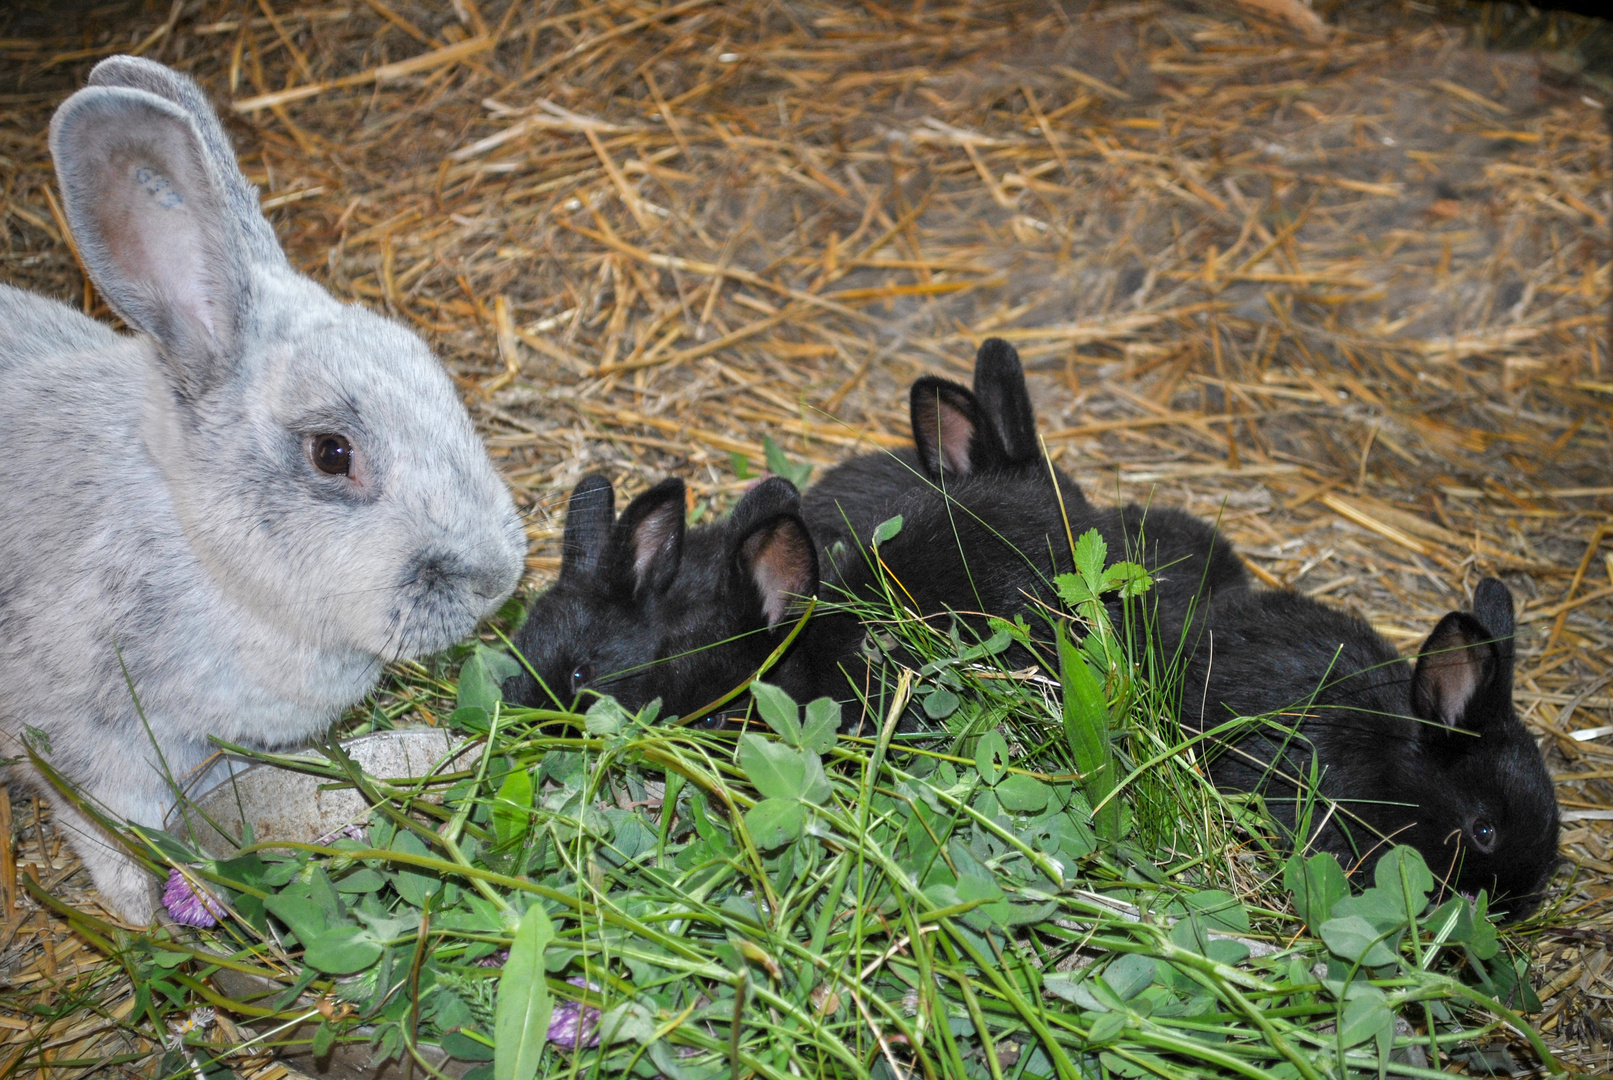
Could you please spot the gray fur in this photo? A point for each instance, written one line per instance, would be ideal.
(157, 500)
(181, 90)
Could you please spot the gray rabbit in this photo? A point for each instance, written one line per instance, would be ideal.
(240, 512)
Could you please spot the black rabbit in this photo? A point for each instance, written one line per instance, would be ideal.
(979, 452)
(1432, 754)
(992, 544)
(984, 537)
(646, 608)
(997, 436)
(989, 524)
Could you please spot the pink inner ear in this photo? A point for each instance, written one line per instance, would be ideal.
(780, 567)
(1452, 678)
(956, 432)
(152, 234)
(653, 537)
(178, 263)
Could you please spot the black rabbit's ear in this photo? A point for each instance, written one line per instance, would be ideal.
(1004, 401)
(647, 544)
(947, 429)
(776, 561)
(772, 496)
(1492, 606)
(1459, 681)
(590, 512)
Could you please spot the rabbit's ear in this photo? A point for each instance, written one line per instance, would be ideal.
(1492, 606)
(240, 195)
(647, 544)
(152, 222)
(775, 559)
(1004, 401)
(770, 497)
(1460, 681)
(947, 430)
(590, 512)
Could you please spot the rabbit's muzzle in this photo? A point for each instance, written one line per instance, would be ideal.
(443, 596)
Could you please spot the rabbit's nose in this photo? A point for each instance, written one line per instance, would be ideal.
(497, 572)
(491, 584)
(486, 580)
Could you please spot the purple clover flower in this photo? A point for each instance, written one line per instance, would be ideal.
(346, 832)
(574, 1024)
(190, 905)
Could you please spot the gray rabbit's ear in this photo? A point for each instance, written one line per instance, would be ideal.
(647, 543)
(153, 227)
(590, 512)
(1459, 681)
(240, 195)
(1004, 400)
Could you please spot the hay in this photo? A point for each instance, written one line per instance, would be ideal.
(1350, 296)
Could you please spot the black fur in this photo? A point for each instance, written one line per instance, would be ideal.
(645, 608)
(1421, 755)
(987, 525)
(985, 532)
(992, 545)
(956, 433)
(1000, 389)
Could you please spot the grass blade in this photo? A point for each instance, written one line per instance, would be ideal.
(521, 1024)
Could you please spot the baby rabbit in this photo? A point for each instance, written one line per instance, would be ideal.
(987, 539)
(226, 523)
(997, 437)
(992, 545)
(645, 608)
(987, 509)
(1431, 754)
(981, 450)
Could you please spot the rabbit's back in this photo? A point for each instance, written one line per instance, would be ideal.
(1189, 560)
(70, 448)
(852, 498)
(35, 330)
(990, 543)
(1280, 653)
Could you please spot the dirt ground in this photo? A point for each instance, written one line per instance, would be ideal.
(1350, 295)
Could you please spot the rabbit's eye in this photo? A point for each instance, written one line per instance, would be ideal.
(1483, 833)
(581, 677)
(332, 454)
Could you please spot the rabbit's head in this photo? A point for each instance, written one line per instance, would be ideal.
(317, 455)
(645, 608)
(1488, 817)
(991, 429)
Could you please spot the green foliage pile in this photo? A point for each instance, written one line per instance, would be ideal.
(1038, 883)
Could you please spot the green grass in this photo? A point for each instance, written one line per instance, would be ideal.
(1040, 883)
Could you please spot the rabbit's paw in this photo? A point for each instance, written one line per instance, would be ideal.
(127, 890)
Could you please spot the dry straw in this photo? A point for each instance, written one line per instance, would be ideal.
(1345, 288)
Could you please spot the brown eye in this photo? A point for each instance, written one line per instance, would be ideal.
(332, 454)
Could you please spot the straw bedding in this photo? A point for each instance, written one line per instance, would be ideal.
(1350, 294)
